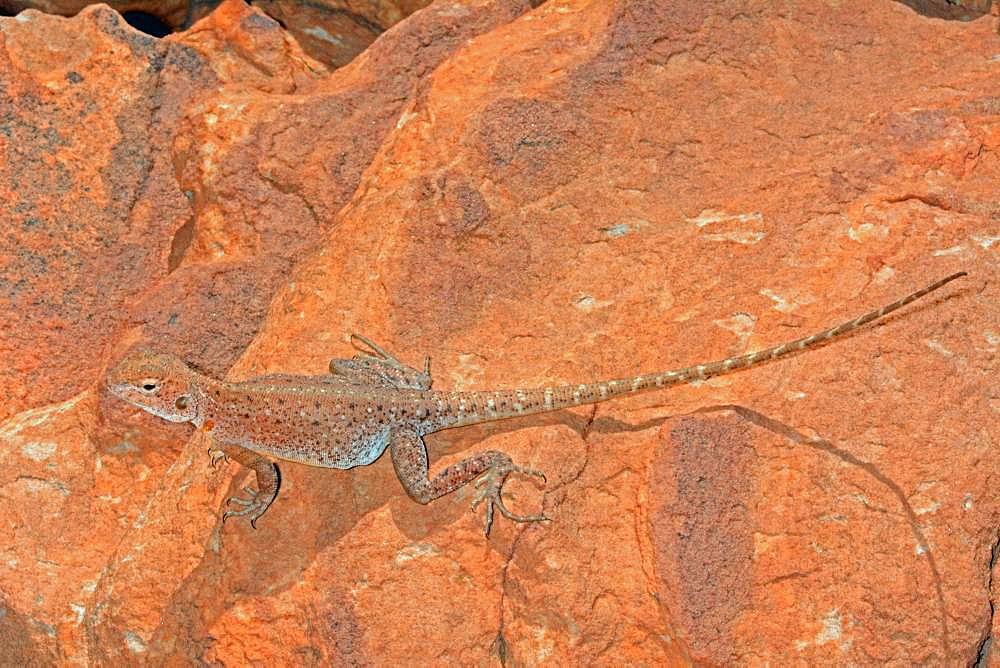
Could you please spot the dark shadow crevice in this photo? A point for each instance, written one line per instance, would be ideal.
(148, 23)
(179, 244)
(984, 648)
(950, 10)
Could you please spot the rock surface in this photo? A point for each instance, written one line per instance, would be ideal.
(528, 195)
(336, 31)
(331, 31)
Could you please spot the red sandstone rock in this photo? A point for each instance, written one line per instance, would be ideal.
(581, 191)
(174, 13)
(332, 31)
(336, 31)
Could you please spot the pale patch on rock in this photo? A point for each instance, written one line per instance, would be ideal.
(319, 33)
(135, 644)
(992, 339)
(786, 303)
(884, 274)
(938, 347)
(984, 241)
(38, 451)
(36, 416)
(741, 324)
(713, 217)
(953, 250)
(931, 507)
(833, 631)
(865, 231)
(746, 238)
(710, 216)
(415, 551)
(625, 227)
(587, 303)
(405, 118)
(467, 372)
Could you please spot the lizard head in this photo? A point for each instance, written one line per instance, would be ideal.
(157, 383)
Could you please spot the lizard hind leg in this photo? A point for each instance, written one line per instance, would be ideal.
(409, 457)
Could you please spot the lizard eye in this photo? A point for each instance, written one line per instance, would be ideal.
(149, 385)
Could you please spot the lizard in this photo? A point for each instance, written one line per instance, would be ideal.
(372, 402)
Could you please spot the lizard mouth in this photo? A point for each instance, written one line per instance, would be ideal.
(124, 391)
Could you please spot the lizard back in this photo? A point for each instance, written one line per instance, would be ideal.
(313, 420)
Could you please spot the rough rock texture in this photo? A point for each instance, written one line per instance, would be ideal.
(97, 221)
(961, 10)
(529, 195)
(332, 31)
(335, 31)
(175, 14)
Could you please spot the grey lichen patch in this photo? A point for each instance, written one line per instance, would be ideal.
(625, 227)
(588, 303)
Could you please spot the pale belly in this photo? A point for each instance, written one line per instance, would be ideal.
(306, 437)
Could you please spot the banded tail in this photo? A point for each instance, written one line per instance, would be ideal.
(497, 405)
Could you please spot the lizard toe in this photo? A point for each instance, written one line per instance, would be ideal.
(246, 502)
(527, 471)
(514, 517)
(233, 513)
(252, 507)
(218, 457)
(490, 490)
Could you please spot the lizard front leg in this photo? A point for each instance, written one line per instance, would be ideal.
(268, 481)
(409, 457)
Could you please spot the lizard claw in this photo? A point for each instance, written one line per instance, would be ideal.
(490, 490)
(249, 491)
(217, 457)
(254, 506)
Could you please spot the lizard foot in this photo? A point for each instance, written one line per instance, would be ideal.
(218, 456)
(490, 487)
(254, 506)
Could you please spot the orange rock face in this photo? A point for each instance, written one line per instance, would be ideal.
(331, 31)
(335, 31)
(529, 195)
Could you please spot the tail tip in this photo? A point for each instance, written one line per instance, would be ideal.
(957, 274)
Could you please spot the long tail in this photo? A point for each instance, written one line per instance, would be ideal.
(474, 407)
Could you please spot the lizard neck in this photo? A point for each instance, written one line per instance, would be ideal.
(207, 394)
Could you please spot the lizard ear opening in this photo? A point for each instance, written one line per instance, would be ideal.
(182, 402)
